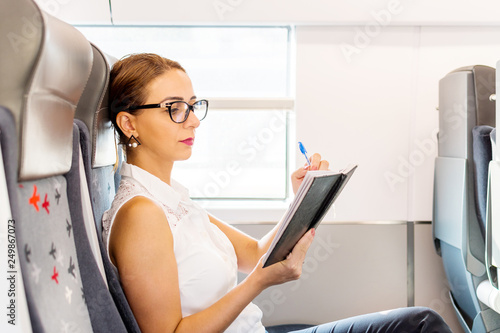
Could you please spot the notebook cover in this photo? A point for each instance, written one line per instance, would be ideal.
(323, 191)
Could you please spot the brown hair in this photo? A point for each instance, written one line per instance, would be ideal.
(129, 80)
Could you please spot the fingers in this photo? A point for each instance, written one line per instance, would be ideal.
(297, 177)
(299, 173)
(296, 258)
(289, 269)
(317, 163)
(323, 165)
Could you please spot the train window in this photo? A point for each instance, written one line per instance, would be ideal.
(241, 147)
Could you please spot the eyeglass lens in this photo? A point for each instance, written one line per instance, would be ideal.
(179, 111)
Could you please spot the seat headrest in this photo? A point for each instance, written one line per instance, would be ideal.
(484, 87)
(93, 111)
(45, 64)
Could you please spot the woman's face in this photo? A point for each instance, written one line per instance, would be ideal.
(160, 137)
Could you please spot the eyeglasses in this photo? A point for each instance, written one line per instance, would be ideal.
(178, 110)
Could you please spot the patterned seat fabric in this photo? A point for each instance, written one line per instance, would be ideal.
(47, 246)
(43, 79)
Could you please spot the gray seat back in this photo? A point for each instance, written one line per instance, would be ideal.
(99, 152)
(37, 57)
(482, 155)
(14, 298)
(457, 226)
(45, 67)
(45, 64)
(493, 218)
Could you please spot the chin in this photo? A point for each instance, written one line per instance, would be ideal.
(184, 157)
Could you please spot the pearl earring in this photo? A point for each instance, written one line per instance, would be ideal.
(133, 144)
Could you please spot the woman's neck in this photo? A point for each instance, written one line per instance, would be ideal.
(162, 170)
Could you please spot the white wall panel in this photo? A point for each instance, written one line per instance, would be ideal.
(357, 110)
(349, 270)
(339, 12)
(441, 50)
(384, 89)
(78, 11)
(314, 12)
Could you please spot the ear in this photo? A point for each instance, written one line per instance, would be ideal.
(126, 122)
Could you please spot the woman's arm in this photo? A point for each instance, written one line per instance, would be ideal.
(248, 250)
(141, 246)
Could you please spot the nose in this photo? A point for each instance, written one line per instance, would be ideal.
(192, 120)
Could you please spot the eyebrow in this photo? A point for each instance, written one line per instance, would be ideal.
(176, 98)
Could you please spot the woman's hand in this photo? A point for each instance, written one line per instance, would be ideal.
(316, 164)
(286, 270)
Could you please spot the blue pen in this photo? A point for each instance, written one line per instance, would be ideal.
(304, 151)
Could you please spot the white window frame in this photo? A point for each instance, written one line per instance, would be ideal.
(241, 210)
(256, 211)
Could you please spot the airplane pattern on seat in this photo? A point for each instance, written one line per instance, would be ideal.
(49, 253)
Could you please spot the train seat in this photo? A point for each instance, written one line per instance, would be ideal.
(459, 188)
(99, 154)
(8, 192)
(45, 68)
(488, 291)
(493, 218)
(42, 98)
(482, 155)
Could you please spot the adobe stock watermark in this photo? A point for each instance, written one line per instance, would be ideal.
(53, 6)
(29, 30)
(323, 249)
(364, 35)
(443, 301)
(247, 150)
(222, 7)
(31, 26)
(426, 148)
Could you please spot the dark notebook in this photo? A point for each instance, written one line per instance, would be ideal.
(316, 194)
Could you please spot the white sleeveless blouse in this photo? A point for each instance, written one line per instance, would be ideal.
(206, 260)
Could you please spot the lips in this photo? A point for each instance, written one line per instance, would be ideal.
(188, 141)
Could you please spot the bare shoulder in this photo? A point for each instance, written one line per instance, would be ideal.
(141, 247)
(140, 225)
(137, 208)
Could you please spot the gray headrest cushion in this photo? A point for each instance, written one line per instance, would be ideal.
(60, 75)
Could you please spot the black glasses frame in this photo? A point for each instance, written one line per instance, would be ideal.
(168, 106)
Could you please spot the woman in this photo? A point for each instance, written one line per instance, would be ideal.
(177, 264)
